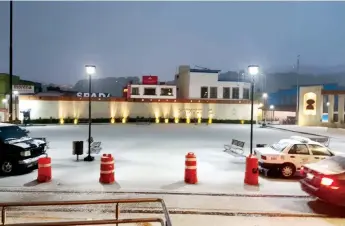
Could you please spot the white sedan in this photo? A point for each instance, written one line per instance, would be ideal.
(288, 155)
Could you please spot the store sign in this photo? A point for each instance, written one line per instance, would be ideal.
(309, 103)
(24, 89)
(95, 95)
(150, 80)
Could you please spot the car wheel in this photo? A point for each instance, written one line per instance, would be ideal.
(288, 170)
(7, 167)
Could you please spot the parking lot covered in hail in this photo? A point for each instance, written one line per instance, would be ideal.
(149, 161)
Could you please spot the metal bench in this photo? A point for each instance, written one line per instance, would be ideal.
(235, 148)
(96, 147)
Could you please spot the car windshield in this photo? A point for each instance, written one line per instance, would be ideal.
(335, 163)
(280, 146)
(8, 133)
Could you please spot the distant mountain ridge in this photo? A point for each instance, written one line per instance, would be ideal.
(308, 69)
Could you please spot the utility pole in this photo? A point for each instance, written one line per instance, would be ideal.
(11, 63)
(297, 87)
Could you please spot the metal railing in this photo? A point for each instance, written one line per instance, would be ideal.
(167, 222)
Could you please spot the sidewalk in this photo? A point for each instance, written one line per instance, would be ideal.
(312, 130)
(336, 135)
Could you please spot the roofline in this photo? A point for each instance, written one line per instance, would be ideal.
(204, 70)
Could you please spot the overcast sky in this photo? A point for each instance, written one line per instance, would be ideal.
(54, 40)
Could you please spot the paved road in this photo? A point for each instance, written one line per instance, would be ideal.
(152, 158)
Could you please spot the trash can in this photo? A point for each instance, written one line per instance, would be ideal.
(78, 148)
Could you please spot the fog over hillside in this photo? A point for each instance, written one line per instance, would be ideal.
(268, 81)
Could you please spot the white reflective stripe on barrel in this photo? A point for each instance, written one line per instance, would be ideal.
(191, 159)
(44, 165)
(107, 163)
(190, 167)
(107, 172)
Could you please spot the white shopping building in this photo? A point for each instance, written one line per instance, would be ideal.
(205, 84)
(152, 91)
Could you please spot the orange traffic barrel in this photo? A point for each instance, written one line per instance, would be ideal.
(44, 170)
(107, 169)
(190, 173)
(252, 171)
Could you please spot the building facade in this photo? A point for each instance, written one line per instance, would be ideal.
(322, 106)
(20, 87)
(205, 84)
(198, 93)
(153, 91)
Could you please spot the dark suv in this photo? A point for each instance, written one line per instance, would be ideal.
(18, 150)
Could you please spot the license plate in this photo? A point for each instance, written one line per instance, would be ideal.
(310, 176)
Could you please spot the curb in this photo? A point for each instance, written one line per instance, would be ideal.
(185, 211)
(33, 125)
(294, 131)
(252, 195)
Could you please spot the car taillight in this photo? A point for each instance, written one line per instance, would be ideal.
(263, 157)
(327, 181)
(301, 171)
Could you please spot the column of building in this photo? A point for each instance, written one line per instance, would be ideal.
(341, 99)
(330, 108)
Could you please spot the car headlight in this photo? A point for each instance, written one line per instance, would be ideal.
(25, 153)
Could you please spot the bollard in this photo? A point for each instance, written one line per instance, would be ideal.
(44, 170)
(190, 174)
(252, 171)
(107, 169)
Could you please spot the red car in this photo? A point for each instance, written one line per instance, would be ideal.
(325, 180)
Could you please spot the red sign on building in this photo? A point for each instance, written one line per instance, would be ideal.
(150, 80)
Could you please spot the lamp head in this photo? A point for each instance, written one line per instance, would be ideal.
(90, 69)
(253, 69)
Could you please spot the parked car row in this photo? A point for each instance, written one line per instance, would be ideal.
(321, 170)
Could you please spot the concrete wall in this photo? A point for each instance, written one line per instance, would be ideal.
(78, 108)
(3, 115)
(182, 81)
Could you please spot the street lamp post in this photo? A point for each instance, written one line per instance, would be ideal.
(4, 104)
(264, 96)
(11, 62)
(15, 93)
(90, 70)
(252, 70)
(272, 109)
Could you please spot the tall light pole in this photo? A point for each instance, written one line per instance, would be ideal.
(253, 70)
(15, 93)
(272, 110)
(11, 62)
(264, 97)
(90, 70)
